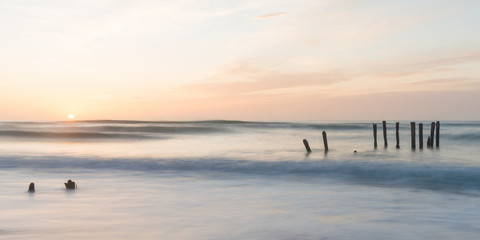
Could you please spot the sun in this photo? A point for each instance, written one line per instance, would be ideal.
(71, 116)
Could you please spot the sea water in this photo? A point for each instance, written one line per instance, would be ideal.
(236, 180)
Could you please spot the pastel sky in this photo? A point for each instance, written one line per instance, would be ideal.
(269, 60)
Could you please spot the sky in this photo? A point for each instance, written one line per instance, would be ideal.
(269, 60)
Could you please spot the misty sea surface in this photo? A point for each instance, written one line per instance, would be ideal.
(237, 180)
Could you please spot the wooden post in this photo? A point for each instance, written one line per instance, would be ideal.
(412, 128)
(70, 185)
(420, 135)
(385, 133)
(325, 143)
(31, 187)
(305, 142)
(432, 134)
(374, 135)
(397, 126)
(437, 142)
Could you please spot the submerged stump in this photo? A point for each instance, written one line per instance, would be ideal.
(70, 184)
(31, 187)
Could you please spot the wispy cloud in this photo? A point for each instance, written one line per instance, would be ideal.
(441, 84)
(436, 60)
(243, 78)
(271, 15)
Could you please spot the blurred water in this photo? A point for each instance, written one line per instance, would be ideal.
(236, 180)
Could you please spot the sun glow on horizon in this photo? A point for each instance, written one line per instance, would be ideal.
(71, 116)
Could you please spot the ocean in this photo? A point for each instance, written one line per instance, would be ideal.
(237, 180)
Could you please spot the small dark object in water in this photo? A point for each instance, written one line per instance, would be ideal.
(325, 143)
(305, 142)
(31, 187)
(70, 185)
(384, 123)
(355, 151)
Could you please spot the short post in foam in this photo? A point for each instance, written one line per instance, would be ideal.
(420, 135)
(325, 143)
(412, 129)
(384, 123)
(31, 188)
(307, 147)
(397, 135)
(432, 134)
(70, 185)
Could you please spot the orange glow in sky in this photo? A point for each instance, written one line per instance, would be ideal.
(245, 60)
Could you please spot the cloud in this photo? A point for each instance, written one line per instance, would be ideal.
(433, 71)
(435, 60)
(271, 15)
(452, 84)
(243, 78)
(421, 105)
(440, 81)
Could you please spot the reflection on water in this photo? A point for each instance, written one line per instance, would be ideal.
(122, 205)
(235, 180)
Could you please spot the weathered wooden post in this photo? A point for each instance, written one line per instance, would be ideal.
(305, 142)
(412, 128)
(325, 143)
(397, 126)
(70, 184)
(420, 135)
(31, 187)
(374, 135)
(437, 142)
(385, 133)
(432, 134)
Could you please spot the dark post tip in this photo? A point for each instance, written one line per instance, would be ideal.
(70, 184)
(432, 135)
(325, 143)
(420, 135)
(412, 129)
(384, 123)
(31, 187)
(397, 135)
(307, 147)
